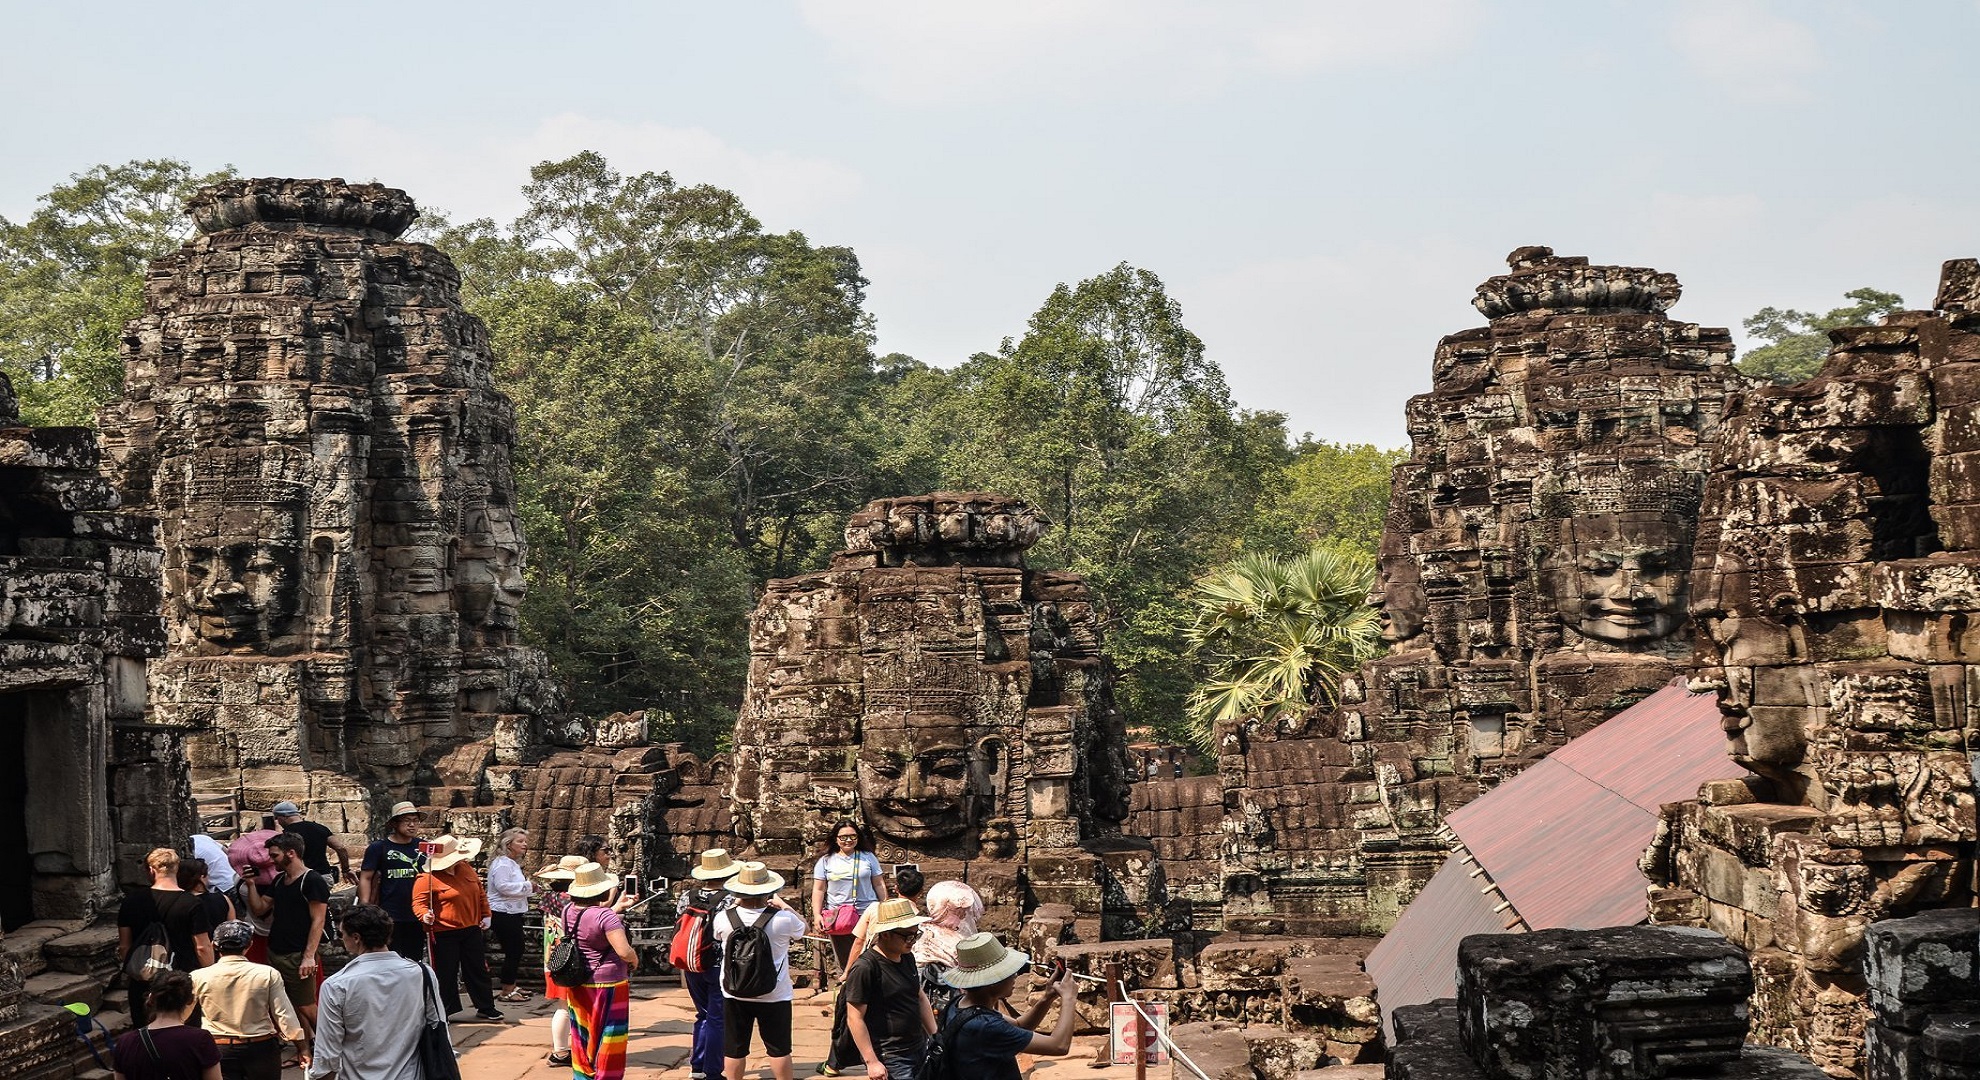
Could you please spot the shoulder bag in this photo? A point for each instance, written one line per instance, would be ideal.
(435, 1049)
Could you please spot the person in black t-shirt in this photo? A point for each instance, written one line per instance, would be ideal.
(295, 903)
(319, 843)
(887, 1015)
(391, 867)
(187, 929)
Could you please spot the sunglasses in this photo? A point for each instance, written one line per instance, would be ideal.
(849, 836)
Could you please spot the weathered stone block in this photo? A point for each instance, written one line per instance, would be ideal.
(1916, 966)
(1601, 1004)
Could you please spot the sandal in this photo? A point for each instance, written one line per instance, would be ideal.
(518, 994)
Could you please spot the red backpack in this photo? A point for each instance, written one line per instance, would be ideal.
(693, 947)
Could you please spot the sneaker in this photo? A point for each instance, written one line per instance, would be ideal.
(559, 1060)
(490, 1015)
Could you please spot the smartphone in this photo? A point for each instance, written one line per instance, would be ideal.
(429, 848)
(1058, 968)
(900, 866)
(632, 884)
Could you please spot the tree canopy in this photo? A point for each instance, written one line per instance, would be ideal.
(72, 275)
(1797, 341)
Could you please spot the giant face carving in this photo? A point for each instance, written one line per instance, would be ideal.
(244, 595)
(1620, 578)
(914, 773)
(1399, 598)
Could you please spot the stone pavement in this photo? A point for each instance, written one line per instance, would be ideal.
(662, 1025)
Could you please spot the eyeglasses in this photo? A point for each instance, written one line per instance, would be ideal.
(849, 836)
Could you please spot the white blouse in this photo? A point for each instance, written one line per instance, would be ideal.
(509, 889)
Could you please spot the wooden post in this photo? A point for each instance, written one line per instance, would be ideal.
(1111, 973)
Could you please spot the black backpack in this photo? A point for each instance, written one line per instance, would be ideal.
(749, 960)
(566, 964)
(151, 947)
(938, 1062)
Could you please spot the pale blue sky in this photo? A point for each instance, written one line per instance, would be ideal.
(1321, 184)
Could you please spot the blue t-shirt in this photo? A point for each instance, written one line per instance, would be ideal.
(849, 879)
(987, 1046)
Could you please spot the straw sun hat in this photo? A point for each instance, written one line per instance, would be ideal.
(592, 879)
(896, 914)
(715, 865)
(982, 960)
(754, 879)
(563, 869)
(448, 850)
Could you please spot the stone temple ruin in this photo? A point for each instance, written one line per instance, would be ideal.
(931, 686)
(295, 572)
(1839, 568)
(310, 418)
(1533, 583)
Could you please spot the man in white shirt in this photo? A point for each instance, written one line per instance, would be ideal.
(220, 876)
(371, 1014)
(757, 905)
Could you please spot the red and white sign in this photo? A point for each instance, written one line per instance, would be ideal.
(1122, 1046)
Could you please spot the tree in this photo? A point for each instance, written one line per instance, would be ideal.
(1329, 491)
(785, 422)
(1798, 341)
(1278, 634)
(1108, 417)
(72, 275)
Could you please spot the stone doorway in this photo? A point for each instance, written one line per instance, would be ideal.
(54, 810)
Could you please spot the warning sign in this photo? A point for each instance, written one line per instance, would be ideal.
(1123, 1024)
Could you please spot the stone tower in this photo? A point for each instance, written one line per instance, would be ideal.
(1838, 592)
(1533, 583)
(309, 415)
(933, 688)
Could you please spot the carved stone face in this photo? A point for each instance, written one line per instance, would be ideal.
(1620, 580)
(914, 776)
(1400, 599)
(246, 595)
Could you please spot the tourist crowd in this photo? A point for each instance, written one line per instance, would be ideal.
(222, 958)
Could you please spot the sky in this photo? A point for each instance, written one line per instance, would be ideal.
(1320, 184)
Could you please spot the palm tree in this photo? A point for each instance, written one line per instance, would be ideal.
(1278, 634)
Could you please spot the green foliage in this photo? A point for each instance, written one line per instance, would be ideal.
(1330, 491)
(698, 408)
(1107, 417)
(1798, 341)
(72, 275)
(1278, 633)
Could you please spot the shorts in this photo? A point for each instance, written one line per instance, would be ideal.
(773, 1017)
(301, 991)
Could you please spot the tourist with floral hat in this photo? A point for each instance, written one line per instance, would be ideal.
(600, 1006)
(758, 907)
(985, 1045)
(552, 903)
(449, 900)
(705, 986)
(887, 1015)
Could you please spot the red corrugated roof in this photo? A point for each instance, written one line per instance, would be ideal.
(1417, 961)
(1562, 838)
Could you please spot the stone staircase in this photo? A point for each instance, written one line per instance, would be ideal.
(60, 963)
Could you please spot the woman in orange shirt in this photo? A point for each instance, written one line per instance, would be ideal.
(449, 899)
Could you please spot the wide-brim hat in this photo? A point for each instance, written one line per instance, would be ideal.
(982, 960)
(715, 865)
(895, 914)
(449, 850)
(563, 869)
(754, 879)
(402, 809)
(591, 879)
